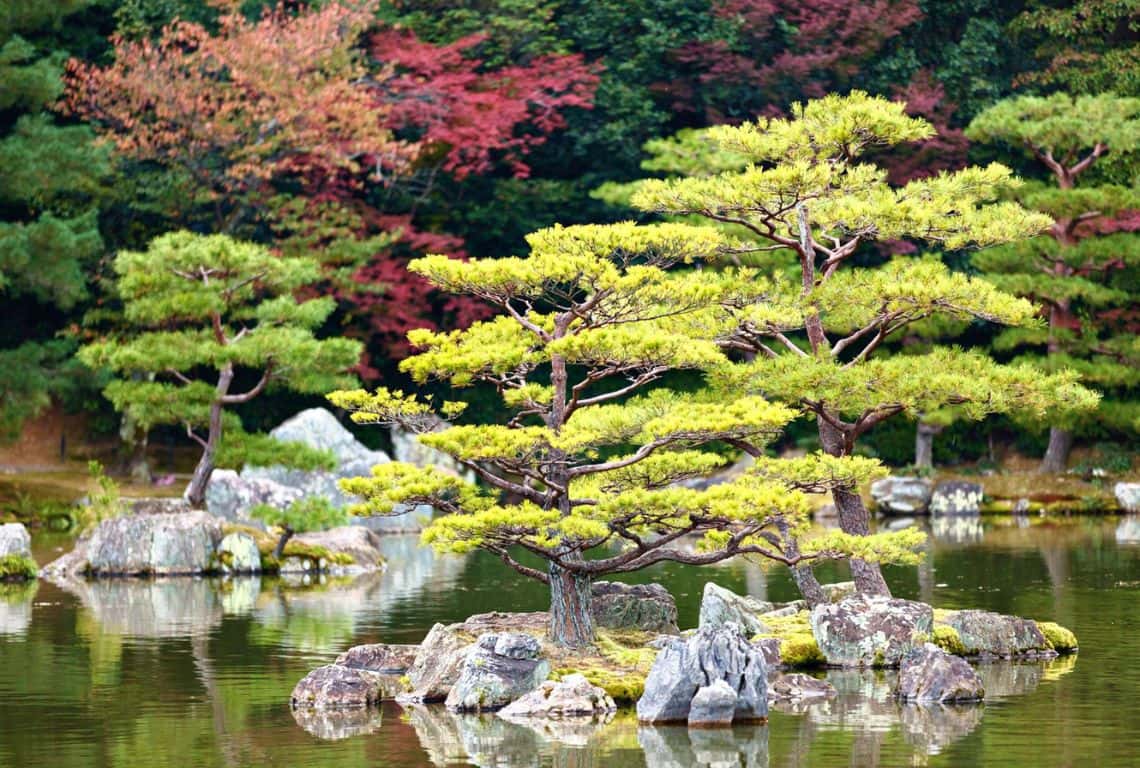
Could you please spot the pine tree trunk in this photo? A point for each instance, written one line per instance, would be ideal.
(1057, 454)
(809, 586)
(279, 550)
(196, 491)
(571, 624)
(924, 444)
(853, 518)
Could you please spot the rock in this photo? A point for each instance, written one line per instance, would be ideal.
(838, 591)
(572, 696)
(1128, 494)
(799, 687)
(987, 633)
(713, 705)
(647, 607)
(14, 540)
(231, 496)
(770, 650)
(956, 497)
(437, 664)
(379, 657)
(238, 553)
(498, 669)
(686, 665)
(928, 674)
(898, 495)
(720, 607)
(361, 544)
(868, 630)
(335, 687)
(159, 545)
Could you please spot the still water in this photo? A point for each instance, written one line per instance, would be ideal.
(198, 672)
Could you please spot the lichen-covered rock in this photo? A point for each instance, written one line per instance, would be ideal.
(238, 553)
(928, 674)
(869, 630)
(1128, 496)
(993, 634)
(438, 663)
(160, 545)
(572, 696)
(720, 607)
(686, 665)
(647, 607)
(799, 687)
(14, 540)
(498, 669)
(335, 687)
(379, 657)
(956, 497)
(900, 495)
(770, 649)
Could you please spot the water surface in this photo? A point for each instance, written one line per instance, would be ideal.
(191, 672)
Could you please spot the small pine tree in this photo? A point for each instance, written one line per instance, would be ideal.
(312, 513)
(200, 311)
(587, 472)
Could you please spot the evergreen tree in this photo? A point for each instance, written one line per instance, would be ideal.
(798, 186)
(1085, 271)
(205, 311)
(49, 234)
(586, 472)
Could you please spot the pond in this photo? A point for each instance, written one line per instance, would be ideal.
(198, 672)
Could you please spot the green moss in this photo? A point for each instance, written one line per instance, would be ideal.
(17, 568)
(947, 638)
(624, 686)
(1057, 637)
(798, 647)
(626, 647)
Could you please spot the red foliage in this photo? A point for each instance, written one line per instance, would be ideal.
(945, 151)
(789, 48)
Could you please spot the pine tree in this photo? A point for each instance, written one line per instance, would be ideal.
(586, 473)
(799, 186)
(49, 178)
(1085, 272)
(202, 311)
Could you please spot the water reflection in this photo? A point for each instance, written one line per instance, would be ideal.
(331, 725)
(679, 747)
(16, 607)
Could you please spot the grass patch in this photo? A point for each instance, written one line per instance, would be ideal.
(17, 568)
(1058, 638)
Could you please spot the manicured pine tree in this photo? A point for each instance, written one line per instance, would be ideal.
(204, 313)
(585, 473)
(799, 186)
(1085, 270)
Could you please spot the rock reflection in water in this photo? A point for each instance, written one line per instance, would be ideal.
(174, 607)
(1128, 530)
(16, 607)
(482, 740)
(333, 725)
(957, 529)
(679, 747)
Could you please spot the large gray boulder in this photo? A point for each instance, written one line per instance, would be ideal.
(336, 687)
(720, 606)
(901, 495)
(647, 607)
(1128, 495)
(684, 666)
(956, 497)
(869, 630)
(14, 540)
(572, 696)
(498, 669)
(993, 634)
(929, 675)
(159, 545)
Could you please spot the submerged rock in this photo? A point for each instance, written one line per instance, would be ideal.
(869, 630)
(993, 634)
(930, 675)
(335, 687)
(647, 607)
(498, 669)
(720, 606)
(572, 696)
(710, 654)
(160, 545)
(900, 495)
(956, 497)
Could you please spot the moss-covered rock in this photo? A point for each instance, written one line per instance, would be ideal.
(623, 686)
(946, 638)
(1059, 638)
(17, 568)
(798, 647)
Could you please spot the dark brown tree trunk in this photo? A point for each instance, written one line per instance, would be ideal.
(571, 624)
(196, 491)
(135, 439)
(1057, 454)
(924, 444)
(853, 517)
(279, 550)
